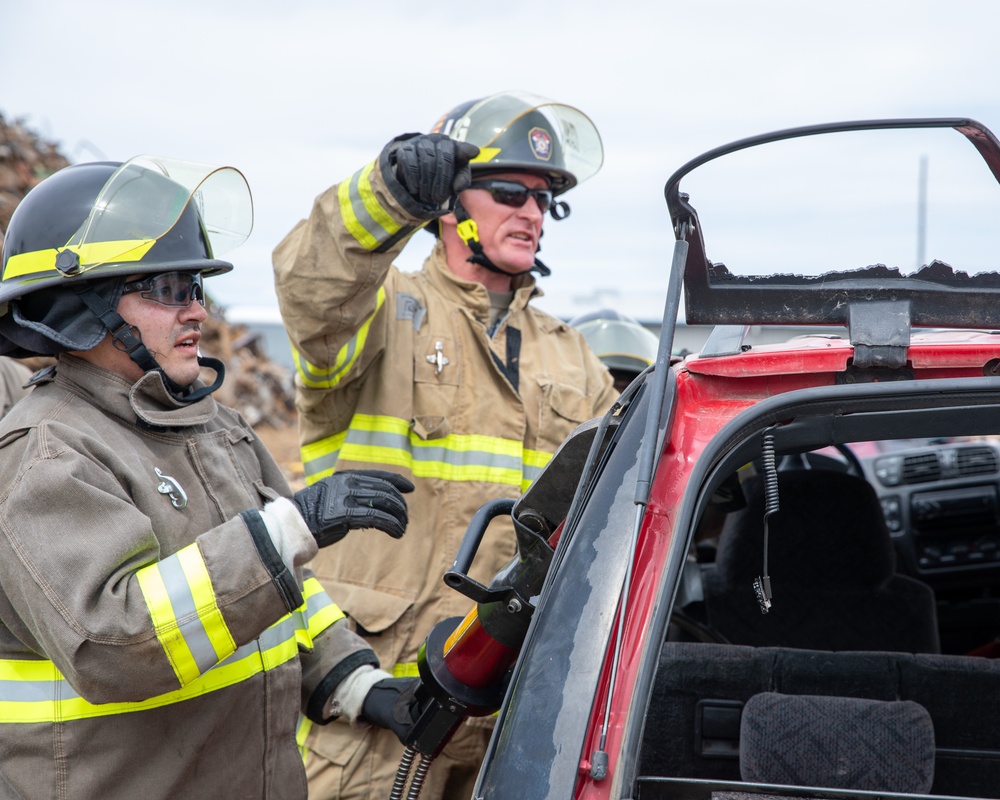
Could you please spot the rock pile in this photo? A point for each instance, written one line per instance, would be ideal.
(25, 159)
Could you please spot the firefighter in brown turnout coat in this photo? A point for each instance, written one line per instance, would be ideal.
(159, 637)
(449, 376)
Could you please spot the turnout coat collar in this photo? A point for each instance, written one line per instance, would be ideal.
(146, 399)
(471, 294)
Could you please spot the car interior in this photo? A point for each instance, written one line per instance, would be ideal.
(876, 666)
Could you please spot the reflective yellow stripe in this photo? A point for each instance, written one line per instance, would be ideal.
(165, 624)
(486, 154)
(35, 691)
(185, 616)
(406, 670)
(204, 597)
(364, 217)
(322, 619)
(318, 377)
(320, 613)
(372, 205)
(301, 734)
(534, 462)
(43, 262)
(317, 613)
(283, 651)
(457, 457)
(536, 458)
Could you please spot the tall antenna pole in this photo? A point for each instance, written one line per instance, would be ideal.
(922, 212)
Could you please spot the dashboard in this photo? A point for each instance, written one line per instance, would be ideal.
(942, 506)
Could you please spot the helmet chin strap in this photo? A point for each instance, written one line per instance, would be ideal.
(128, 339)
(468, 231)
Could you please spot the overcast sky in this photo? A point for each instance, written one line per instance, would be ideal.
(301, 93)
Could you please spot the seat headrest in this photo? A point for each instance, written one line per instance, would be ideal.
(837, 742)
(829, 531)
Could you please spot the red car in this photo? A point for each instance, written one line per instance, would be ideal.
(774, 570)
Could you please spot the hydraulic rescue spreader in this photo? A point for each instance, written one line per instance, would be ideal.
(465, 663)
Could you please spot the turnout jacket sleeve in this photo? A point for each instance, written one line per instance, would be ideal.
(87, 583)
(330, 650)
(329, 272)
(337, 652)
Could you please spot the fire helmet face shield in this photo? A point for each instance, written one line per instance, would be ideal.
(620, 341)
(523, 132)
(101, 222)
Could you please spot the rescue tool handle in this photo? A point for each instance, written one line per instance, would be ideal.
(457, 577)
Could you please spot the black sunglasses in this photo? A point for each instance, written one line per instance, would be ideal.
(169, 288)
(512, 193)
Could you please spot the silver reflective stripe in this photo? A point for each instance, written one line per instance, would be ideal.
(279, 632)
(248, 649)
(315, 376)
(329, 377)
(34, 691)
(186, 614)
(418, 456)
(432, 453)
(366, 220)
(316, 603)
(321, 466)
(531, 473)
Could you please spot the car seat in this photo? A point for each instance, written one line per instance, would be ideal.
(832, 570)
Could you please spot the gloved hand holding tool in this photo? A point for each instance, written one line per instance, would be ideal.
(392, 703)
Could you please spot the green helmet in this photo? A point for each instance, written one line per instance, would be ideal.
(522, 132)
(89, 226)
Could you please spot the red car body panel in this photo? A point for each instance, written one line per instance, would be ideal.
(710, 392)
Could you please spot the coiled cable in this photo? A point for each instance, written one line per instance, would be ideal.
(402, 773)
(762, 584)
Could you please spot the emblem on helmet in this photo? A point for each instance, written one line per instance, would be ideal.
(541, 143)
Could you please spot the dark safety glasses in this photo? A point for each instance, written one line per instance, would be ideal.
(169, 288)
(512, 193)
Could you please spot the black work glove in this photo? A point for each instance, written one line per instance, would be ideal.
(433, 167)
(392, 703)
(364, 498)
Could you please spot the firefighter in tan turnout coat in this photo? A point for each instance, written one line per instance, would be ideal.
(449, 376)
(158, 636)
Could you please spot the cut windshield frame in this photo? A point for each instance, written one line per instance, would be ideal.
(809, 281)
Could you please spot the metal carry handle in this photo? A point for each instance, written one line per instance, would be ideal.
(457, 577)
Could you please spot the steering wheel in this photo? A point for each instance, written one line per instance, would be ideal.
(818, 460)
(853, 462)
(699, 631)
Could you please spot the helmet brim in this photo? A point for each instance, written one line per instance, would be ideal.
(13, 288)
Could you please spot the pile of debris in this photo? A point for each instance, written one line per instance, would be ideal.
(25, 159)
(260, 389)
